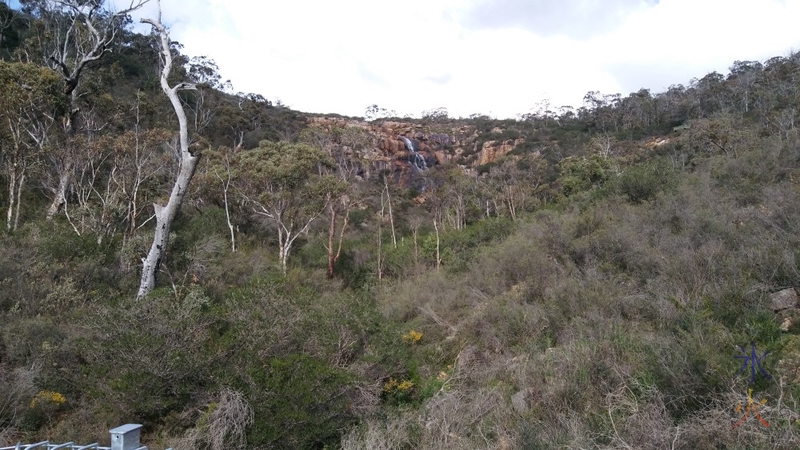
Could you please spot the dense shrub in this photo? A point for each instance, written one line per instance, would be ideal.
(643, 181)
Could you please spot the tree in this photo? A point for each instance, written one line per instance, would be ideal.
(282, 182)
(435, 114)
(115, 180)
(374, 112)
(344, 145)
(189, 158)
(205, 104)
(216, 178)
(713, 94)
(70, 36)
(11, 26)
(742, 78)
(31, 104)
(583, 173)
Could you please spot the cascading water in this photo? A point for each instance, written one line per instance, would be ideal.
(415, 158)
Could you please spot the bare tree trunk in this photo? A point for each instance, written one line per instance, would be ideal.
(165, 214)
(12, 190)
(416, 248)
(438, 254)
(16, 177)
(228, 220)
(283, 251)
(380, 261)
(391, 216)
(331, 236)
(19, 198)
(226, 185)
(512, 210)
(380, 241)
(333, 257)
(60, 195)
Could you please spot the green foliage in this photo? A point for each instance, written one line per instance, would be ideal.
(304, 403)
(30, 89)
(642, 182)
(580, 174)
(280, 164)
(284, 183)
(459, 247)
(606, 317)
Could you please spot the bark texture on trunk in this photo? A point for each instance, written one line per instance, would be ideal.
(60, 195)
(165, 214)
(331, 236)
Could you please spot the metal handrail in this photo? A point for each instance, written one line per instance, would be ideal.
(123, 436)
(46, 445)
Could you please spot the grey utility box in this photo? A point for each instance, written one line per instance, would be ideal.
(126, 437)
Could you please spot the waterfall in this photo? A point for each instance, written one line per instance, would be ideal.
(416, 159)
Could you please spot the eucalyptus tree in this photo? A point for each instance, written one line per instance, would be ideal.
(70, 37)
(743, 77)
(12, 25)
(31, 104)
(189, 157)
(284, 183)
(345, 146)
(216, 184)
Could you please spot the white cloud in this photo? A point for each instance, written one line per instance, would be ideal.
(681, 39)
(322, 56)
(574, 18)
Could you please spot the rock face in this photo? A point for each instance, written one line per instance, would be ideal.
(385, 153)
(492, 150)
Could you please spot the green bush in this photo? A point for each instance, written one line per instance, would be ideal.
(300, 402)
(643, 182)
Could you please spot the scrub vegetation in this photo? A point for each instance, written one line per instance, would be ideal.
(590, 288)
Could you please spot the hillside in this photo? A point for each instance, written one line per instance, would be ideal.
(621, 275)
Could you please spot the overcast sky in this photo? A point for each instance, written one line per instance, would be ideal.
(494, 57)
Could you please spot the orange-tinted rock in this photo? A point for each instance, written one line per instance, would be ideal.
(387, 152)
(492, 150)
(392, 146)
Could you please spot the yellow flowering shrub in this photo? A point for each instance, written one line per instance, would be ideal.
(398, 391)
(47, 397)
(412, 337)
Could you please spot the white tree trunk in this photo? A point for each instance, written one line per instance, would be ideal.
(165, 214)
(19, 198)
(60, 195)
(438, 254)
(228, 220)
(12, 191)
(226, 185)
(391, 216)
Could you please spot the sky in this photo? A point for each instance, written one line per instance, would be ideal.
(499, 58)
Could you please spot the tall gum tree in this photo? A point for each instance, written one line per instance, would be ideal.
(31, 104)
(344, 146)
(71, 36)
(285, 184)
(189, 158)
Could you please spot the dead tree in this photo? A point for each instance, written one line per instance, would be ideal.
(188, 163)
